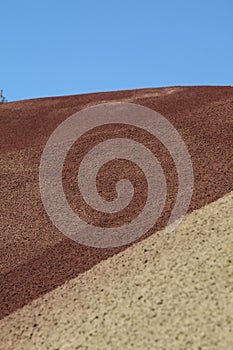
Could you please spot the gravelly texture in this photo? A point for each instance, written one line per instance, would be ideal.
(35, 258)
(166, 292)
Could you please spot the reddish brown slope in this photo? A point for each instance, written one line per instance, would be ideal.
(35, 257)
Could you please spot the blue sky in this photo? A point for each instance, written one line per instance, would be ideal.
(51, 48)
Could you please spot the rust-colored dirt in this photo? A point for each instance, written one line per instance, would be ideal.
(35, 256)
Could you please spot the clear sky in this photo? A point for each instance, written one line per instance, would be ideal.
(53, 47)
